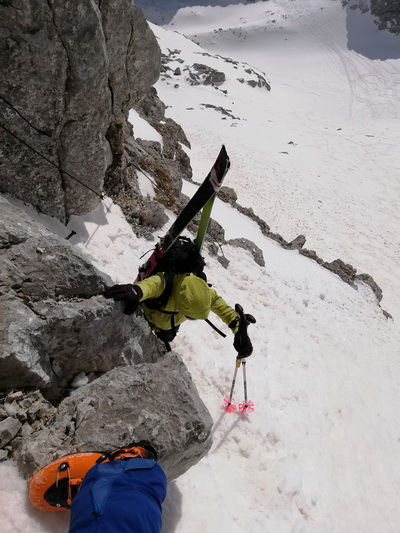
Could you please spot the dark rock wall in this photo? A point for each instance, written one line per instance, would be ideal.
(388, 14)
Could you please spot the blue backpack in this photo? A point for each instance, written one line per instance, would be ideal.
(120, 497)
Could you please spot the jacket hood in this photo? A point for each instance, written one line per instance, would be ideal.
(192, 296)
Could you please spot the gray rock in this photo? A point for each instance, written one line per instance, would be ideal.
(21, 415)
(157, 402)
(153, 216)
(165, 167)
(255, 251)
(26, 430)
(37, 425)
(9, 428)
(54, 323)
(344, 270)
(297, 243)
(215, 232)
(260, 80)
(15, 396)
(228, 195)
(33, 412)
(11, 409)
(388, 14)
(70, 75)
(3, 455)
(204, 75)
(223, 261)
(369, 280)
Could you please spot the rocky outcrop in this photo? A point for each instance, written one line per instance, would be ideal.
(70, 73)
(254, 250)
(344, 270)
(163, 165)
(54, 322)
(204, 75)
(55, 327)
(125, 405)
(175, 69)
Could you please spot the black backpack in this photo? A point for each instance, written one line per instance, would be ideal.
(181, 258)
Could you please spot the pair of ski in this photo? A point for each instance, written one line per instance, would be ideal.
(202, 200)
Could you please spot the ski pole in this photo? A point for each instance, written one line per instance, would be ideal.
(229, 405)
(244, 381)
(245, 321)
(246, 405)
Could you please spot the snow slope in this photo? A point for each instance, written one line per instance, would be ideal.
(319, 452)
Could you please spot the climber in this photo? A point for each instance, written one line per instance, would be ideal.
(122, 495)
(190, 298)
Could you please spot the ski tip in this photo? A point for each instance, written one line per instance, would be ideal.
(224, 155)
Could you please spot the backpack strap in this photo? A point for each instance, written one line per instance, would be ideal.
(161, 301)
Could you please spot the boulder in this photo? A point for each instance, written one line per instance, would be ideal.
(153, 401)
(9, 428)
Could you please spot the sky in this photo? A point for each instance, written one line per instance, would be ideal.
(317, 155)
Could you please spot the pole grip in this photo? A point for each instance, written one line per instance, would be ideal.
(241, 336)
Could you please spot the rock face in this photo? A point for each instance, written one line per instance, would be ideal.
(53, 320)
(70, 74)
(125, 405)
(163, 165)
(55, 325)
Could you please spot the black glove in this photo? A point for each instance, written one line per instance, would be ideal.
(242, 342)
(243, 345)
(131, 294)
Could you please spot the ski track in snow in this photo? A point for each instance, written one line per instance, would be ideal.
(318, 454)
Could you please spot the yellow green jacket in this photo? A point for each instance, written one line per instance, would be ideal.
(191, 298)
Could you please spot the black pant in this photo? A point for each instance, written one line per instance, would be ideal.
(167, 336)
